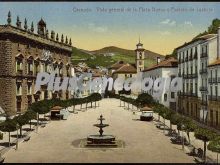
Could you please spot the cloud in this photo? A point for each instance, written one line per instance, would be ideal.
(99, 29)
(168, 22)
(188, 23)
(164, 33)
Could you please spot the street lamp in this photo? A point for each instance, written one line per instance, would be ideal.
(182, 127)
(17, 127)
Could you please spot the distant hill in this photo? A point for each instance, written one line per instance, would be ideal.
(109, 55)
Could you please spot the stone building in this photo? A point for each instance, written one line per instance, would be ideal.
(23, 54)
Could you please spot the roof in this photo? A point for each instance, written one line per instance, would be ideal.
(146, 108)
(126, 68)
(167, 63)
(139, 44)
(41, 22)
(56, 108)
(204, 37)
(217, 62)
(117, 65)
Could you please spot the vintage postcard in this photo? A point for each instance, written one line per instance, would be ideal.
(109, 82)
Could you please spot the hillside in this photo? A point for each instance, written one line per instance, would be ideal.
(212, 29)
(109, 55)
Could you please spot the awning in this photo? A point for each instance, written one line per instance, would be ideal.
(146, 108)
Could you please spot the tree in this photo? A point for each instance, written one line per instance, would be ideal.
(29, 115)
(176, 119)
(145, 99)
(21, 120)
(214, 146)
(189, 126)
(157, 108)
(9, 125)
(205, 135)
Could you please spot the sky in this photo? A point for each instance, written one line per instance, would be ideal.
(161, 26)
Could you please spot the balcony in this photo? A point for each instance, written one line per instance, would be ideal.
(203, 55)
(203, 71)
(214, 80)
(204, 103)
(213, 98)
(203, 89)
(194, 75)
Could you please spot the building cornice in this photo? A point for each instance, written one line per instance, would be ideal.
(8, 29)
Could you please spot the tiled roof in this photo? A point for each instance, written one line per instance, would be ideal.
(126, 68)
(204, 37)
(217, 62)
(117, 65)
(171, 62)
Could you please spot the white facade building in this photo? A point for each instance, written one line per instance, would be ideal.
(165, 69)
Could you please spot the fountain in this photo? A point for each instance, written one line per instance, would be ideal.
(101, 139)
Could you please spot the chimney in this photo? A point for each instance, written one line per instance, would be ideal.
(218, 42)
(158, 60)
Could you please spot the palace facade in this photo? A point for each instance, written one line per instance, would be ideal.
(23, 54)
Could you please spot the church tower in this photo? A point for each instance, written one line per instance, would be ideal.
(140, 57)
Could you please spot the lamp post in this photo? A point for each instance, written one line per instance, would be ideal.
(17, 127)
(182, 127)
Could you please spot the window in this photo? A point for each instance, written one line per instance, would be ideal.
(172, 95)
(18, 89)
(140, 55)
(165, 97)
(19, 66)
(30, 68)
(29, 90)
(216, 118)
(140, 62)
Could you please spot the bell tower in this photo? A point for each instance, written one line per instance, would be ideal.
(140, 56)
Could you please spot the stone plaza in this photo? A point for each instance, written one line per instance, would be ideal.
(60, 140)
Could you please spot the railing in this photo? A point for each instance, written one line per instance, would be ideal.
(203, 55)
(203, 71)
(203, 88)
(214, 80)
(213, 98)
(195, 75)
(204, 103)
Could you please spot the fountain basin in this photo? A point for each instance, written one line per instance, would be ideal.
(104, 139)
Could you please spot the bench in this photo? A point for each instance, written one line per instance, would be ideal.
(199, 160)
(27, 138)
